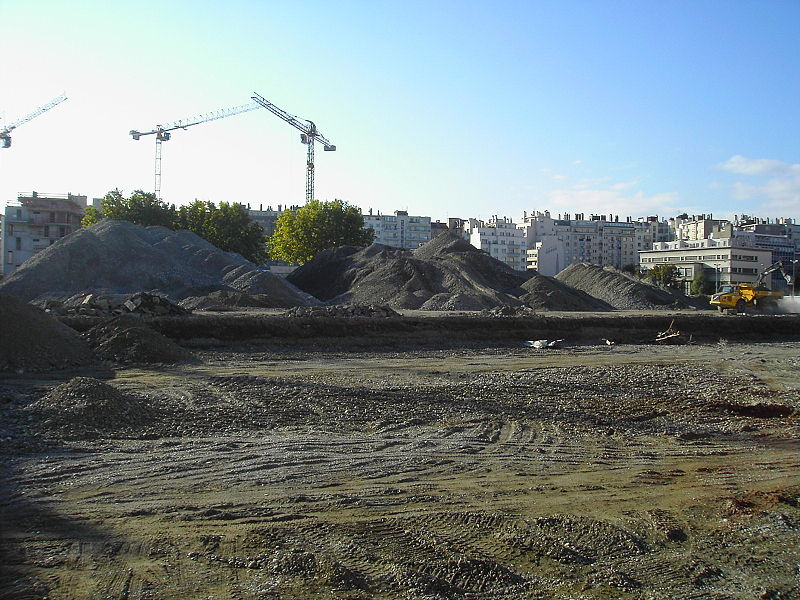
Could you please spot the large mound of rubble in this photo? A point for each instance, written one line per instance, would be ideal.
(117, 257)
(547, 293)
(127, 339)
(84, 407)
(31, 340)
(446, 272)
(620, 290)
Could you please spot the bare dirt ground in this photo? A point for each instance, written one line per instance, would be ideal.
(588, 472)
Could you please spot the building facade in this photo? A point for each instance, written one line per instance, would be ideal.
(37, 221)
(500, 237)
(722, 261)
(554, 244)
(399, 230)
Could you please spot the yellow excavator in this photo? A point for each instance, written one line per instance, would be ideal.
(750, 297)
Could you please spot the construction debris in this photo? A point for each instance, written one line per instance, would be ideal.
(349, 311)
(672, 336)
(543, 344)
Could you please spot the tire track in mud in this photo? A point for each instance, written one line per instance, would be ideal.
(528, 484)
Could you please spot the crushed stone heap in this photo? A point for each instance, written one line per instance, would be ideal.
(447, 273)
(117, 257)
(620, 290)
(32, 340)
(126, 339)
(547, 293)
(84, 407)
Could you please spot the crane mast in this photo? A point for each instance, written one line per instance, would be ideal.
(5, 132)
(308, 135)
(162, 132)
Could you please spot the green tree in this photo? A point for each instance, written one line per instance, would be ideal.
(317, 226)
(228, 227)
(701, 285)
(91, 216)
(142, 208)
(664, 275)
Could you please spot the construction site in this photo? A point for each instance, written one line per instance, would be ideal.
(387, 424)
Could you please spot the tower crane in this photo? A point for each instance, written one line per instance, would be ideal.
(5, 132)
(308, 135)
(162, 132)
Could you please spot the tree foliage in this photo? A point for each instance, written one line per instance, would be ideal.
(664, 275)
(301, 234)
(228, 227)
(701, 285)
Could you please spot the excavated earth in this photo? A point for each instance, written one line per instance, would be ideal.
(411, 458)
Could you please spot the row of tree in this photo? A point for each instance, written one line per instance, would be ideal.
(299, 235)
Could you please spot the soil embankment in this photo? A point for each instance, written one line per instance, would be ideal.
(460, 330)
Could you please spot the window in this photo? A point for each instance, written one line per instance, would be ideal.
(19, 243)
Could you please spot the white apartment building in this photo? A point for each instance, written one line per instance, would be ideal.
(554, 244)
(723, 261)
(399, 230)
(37, 221)
(500, 237)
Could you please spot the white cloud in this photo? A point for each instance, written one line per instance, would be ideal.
(759, 166)
(613, 202)
(773, 187)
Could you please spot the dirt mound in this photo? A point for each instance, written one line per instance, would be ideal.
(620, 290)
(546, 293)
(85, 405)
(127, 339)
(31, 340)
(442, 245)
(117, 257)
(446, 272)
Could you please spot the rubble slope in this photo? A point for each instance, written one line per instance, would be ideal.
(428, 278)
(620, 290)
(120, 257)
(32, 340)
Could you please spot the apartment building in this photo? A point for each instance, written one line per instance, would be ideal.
(500, 237)
(399, 230)
(724, 261)
(554, 244)
(36, 221)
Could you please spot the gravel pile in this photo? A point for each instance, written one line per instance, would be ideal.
(32, 340)
(447, 273)
(620, 290)
(547, 293)
(84, 407)
(117, 257)
(343, 311)
(127, 339)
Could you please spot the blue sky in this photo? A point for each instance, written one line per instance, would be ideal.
(439, 108)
